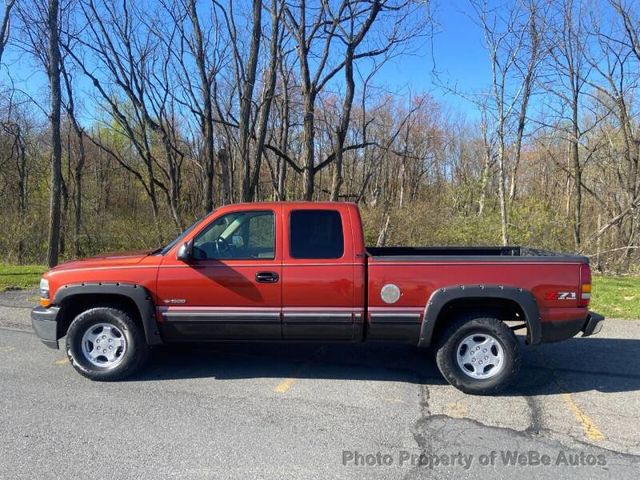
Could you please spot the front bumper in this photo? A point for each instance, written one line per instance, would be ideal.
(45, 324)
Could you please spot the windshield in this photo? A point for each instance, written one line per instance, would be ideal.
(177, 240)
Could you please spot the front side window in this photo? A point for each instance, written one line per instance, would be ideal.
(237, 236)
(316, 234)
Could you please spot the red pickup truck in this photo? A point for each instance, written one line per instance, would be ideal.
(300, 271)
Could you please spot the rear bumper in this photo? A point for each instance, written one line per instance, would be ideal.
(593, 324)
(45, 324)
(561, 330)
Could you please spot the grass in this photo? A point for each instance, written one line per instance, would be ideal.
(616, 297)
(20, 276)
(613, 297)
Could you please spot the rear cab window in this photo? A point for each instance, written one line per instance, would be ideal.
(316, 234)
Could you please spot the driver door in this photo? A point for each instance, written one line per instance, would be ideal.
(231, 288)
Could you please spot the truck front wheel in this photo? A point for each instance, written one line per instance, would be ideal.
(104, 343)
(478, 355)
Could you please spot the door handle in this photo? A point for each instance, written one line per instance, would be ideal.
(267, 277)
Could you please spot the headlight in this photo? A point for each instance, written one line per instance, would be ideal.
(44, 288)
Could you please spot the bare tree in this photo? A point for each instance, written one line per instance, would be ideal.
(41, 29)
(488, 157)
(70, 109)
(352, 34)
(348, 24)
(528, 70)
(4, 25)
(56, 145)
(616, 64)
(198, 45)
(134, 57)
(268, 93)
(566, 46)
(504, 41)
(14, 127)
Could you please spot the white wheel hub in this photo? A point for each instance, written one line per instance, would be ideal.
(480, 356)
(104, 345)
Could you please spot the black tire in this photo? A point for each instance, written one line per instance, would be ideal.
(449, 343)
(133, 357)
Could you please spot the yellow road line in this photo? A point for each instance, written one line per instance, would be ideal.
(456, 410)
(284, 386)
(7, 349)
(62, 361)
(590, 430)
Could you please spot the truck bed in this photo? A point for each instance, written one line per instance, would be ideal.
(508, 253)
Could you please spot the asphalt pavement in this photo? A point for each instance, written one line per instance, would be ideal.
(317, 411)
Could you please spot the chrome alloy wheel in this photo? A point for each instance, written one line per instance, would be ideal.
(480, 356)
(104, 345)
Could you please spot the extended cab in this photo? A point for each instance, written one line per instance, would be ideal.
(300, 271)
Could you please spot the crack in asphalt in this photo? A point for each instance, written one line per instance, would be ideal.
(535, 415)
(445, 432)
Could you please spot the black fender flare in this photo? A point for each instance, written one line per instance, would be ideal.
(138, 294)
(443, 296)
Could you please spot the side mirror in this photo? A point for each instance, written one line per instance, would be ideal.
(184, 252)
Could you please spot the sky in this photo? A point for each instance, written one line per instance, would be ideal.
(455, 51)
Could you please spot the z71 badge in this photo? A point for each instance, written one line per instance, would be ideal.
(553, 295)
(567, 295)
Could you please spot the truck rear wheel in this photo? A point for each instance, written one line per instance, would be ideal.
(104, 344)
(478, 355)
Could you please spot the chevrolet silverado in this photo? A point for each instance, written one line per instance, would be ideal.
(300, 271)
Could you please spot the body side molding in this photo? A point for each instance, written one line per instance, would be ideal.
(137, 293)
(443, 296)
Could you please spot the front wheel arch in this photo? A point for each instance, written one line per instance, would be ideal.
(135, 299)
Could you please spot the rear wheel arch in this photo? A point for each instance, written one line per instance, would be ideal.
(505, 303)
(134, 299)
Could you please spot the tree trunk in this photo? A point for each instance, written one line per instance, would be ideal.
(56, 147)
(206, 120)
(577, 177)
(504, 221)
(281, 180)
(347, 104)
(77, 227)
(308, 170)
(526, 95)
(77, 224)
(247, 99)
(225, 165)
(309, 100)
(22, 189)
(4, 25)
(267, 98)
